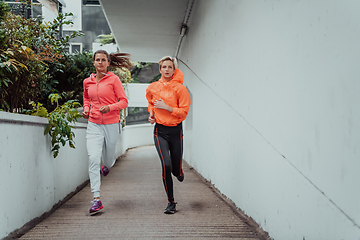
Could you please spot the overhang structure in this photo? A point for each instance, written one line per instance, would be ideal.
(148, 29)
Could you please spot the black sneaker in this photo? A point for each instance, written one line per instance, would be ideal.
(181, 177)
(171, 208)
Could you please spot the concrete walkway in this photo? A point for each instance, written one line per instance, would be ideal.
(134, 199)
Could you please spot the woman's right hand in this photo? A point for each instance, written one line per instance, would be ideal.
(151, 118)
(85, 115)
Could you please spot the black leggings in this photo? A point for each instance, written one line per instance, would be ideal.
(169, 145)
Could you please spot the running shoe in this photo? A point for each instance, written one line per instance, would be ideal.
(96, 206)
(181, 177)
(171, 208)
(104, 170)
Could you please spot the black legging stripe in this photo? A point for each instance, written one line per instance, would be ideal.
(162, 162)
(181, 140)
(169, 145)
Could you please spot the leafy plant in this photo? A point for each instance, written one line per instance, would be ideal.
(125, 77)
(75, 68)
(4, 8)
(4, 82)
(60, 118)
(21, 73)
(104, 39)
(38, 46)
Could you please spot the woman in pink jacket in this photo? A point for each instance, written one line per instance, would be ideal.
(104, 96)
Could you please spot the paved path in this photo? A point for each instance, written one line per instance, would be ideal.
(134, 200)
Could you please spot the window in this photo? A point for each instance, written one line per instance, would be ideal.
(75, 47)
(36, 10)
(26, 10)
(137, 115)
(91, 2)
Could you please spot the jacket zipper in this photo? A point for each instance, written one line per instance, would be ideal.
(97, 94)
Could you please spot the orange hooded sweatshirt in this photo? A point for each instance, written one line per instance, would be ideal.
(174, 94)
(109, 91)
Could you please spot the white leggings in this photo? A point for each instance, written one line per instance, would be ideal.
(101, 144)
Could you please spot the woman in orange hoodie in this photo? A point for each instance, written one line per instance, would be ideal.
(104, 96)
(169, 103)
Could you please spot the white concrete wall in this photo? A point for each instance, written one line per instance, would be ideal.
(48, 15)
(136, 94)
(32, 181)
(275, 115)
(71, 6)
(139, 134)
(74, 7)
(110, 48)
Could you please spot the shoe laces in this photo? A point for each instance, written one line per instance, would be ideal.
(95, 201)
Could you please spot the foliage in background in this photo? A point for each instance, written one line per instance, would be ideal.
(135, 71)
(22, 73)
(38, 47)
(60, 118)
(62, 63)
(138, 66)
(125, 76)
(106, 39)
(76, 67)
(35, 64)
(34, 54)
(4, 9)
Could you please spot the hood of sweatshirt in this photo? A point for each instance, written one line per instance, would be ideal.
(108, 74)
(177, 77)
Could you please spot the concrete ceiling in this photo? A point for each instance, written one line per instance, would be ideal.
(147, 29)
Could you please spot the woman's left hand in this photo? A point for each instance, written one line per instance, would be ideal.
(104, 109)
(161, 105)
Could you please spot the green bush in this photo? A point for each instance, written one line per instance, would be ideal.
(60, 119)
(75, 68)
(35, 67)
(4, 9)
(36, 46)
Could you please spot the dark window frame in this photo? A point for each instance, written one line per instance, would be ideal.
(91, 2)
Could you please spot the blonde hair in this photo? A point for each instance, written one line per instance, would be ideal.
(117, 60)
(168, 58)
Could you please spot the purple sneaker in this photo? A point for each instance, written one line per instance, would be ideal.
(104, 170)
(96, 206)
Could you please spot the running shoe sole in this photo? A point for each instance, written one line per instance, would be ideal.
(96, 210)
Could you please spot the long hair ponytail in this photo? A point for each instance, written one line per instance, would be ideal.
(117, 60)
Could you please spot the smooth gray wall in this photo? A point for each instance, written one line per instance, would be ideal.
(275, 116)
